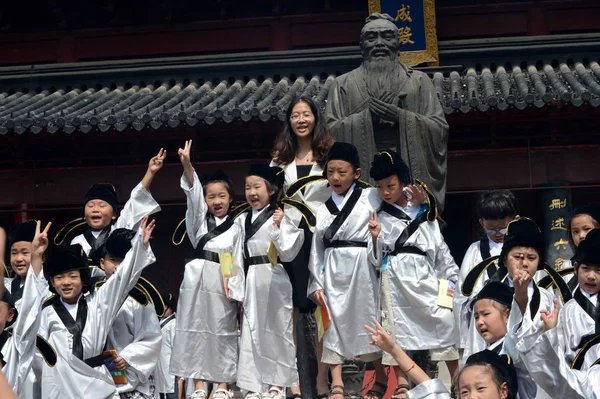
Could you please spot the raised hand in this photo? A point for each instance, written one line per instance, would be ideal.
(374, 226)
(184, 153)
(40, 240)
(157, 161)
(521, 279)
(550, 319)
(278, 217)
(147, 229)
(380, 338)
(417, 194)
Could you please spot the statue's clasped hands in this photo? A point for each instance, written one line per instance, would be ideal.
(384, 107)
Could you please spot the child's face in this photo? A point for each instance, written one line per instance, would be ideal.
(490, 321)
(217, 199)
(522, 258)
(495, 228)
(476, 382)
(68, 285)
(20, 257)
(390, 189)
(588, 277)
(98, 214)
(580, 226)
(109, 264)
(257, 192)
(341, 175)
(6, 315)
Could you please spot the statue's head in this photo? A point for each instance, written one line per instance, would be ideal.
(379, 39)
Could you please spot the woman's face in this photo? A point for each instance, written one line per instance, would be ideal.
(476, 382)
(522, 258)
(580, 226)
(302, 120)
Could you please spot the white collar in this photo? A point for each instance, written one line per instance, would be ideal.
(219, 221)
(255, 213)
(72, 309)
(496, 344)
(340, 200)
(411, 209)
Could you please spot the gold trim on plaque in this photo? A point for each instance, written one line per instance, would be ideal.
(430, 54)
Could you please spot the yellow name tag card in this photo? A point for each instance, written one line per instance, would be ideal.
(272, 254)
(226, 265)
(446, 293)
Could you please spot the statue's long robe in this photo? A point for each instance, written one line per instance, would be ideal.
(422, 127)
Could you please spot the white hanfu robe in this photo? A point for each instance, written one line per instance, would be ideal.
(475, 254)
(544, 357)
(19, 350)
(430, 389)
(206, 336)
(348, 280)
(135, 335)
(410, 302)
(140, 204)
(72, 378)
(165, 381)
(267, 351)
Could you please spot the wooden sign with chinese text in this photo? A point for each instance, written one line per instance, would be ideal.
(416, 23)
(557, 211)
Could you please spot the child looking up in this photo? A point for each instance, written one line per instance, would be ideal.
(205, 346)
(101, 211)
(342, 279)
(414, 257)
(267, 353)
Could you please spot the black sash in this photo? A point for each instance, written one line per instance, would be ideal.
(299, 184)
(499, 275)
(257, 260)
(592, 311)
(16, 289)
(341, 216)
(572, 284)
(399, 247)
(214, 232)
(580, 357)
(252, 227)
(167, 320)
(498, 348)
(484, 248)
(75, 327)
(94, 242)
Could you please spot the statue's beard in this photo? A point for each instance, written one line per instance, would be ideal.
(382, 75)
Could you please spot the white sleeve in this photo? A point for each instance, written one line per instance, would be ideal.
(140, 204)
(110, 296)
(288, 239)
(316, 262)
(195, 216)
(430, 389)
(445, 266)
(237, 281)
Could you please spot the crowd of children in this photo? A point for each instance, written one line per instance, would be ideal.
(310, 237)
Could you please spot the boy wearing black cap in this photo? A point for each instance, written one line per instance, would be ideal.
(101, 211)
(409, 248)
(20, 250)
(78, 325)
(19, 334)
(341, 277)
(267, 353)
(135, 333)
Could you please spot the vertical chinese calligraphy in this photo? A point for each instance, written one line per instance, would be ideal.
(557, 209)
(404, 31)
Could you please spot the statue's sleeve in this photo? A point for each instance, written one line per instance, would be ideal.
(424, 138)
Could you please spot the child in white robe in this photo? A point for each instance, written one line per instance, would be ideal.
(19, 247)
(267, 352)
(495, 210)
(576, 329)
(19, 340)
(78, 325)
(166, 383)
(408, 246)
(342, 279)
(486, 374)
(205, 346)
(101, 213)
(135, 333)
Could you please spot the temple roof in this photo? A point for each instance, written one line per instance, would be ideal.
(172, 102)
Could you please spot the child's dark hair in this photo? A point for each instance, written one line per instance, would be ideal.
(497, 204)
(286, 143)
(273, 198)
(498, 377)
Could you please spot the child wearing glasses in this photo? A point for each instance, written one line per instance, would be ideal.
(495, 210)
